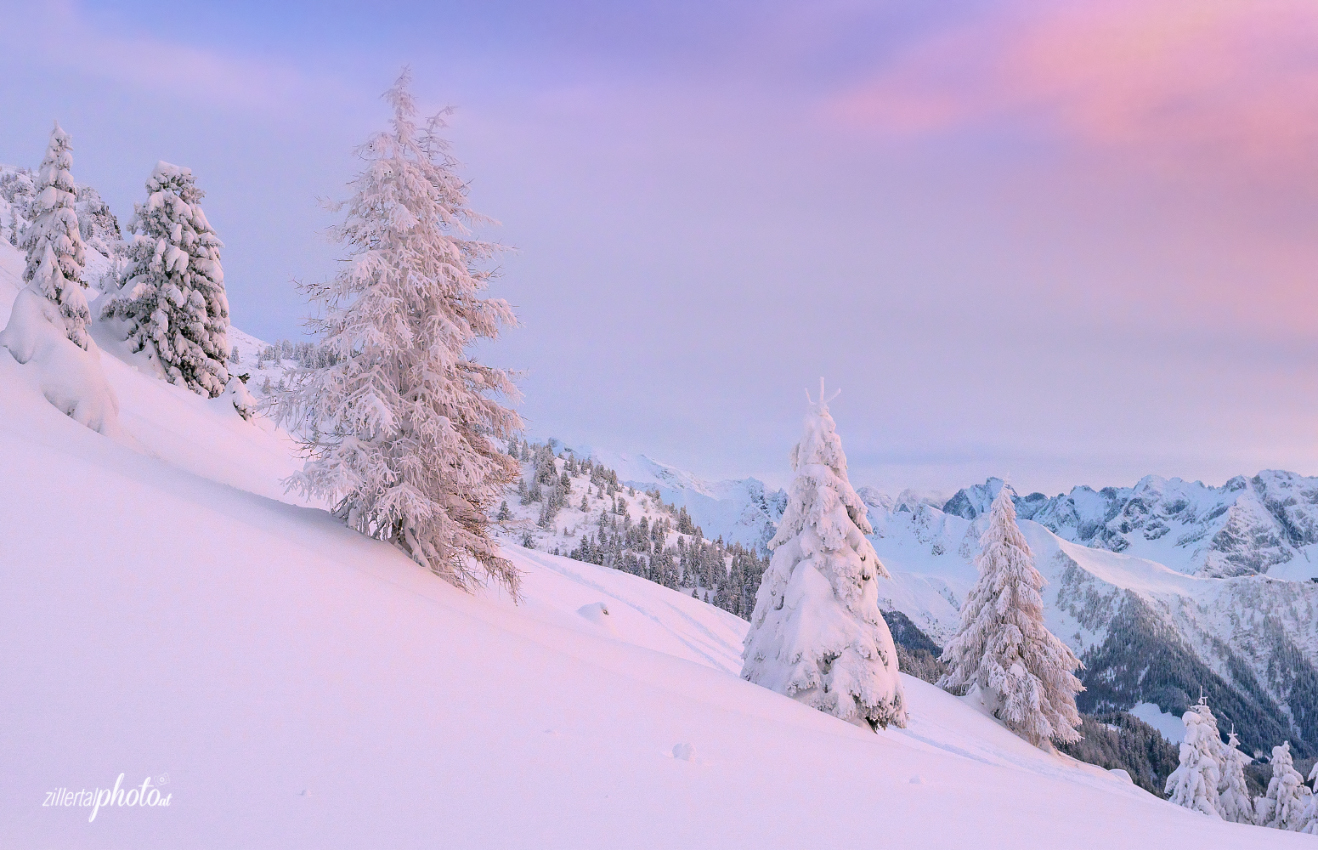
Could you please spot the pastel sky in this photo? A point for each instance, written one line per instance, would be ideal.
(1068, 242)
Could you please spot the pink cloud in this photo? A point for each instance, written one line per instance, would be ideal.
(1169, 78)
(61, 34)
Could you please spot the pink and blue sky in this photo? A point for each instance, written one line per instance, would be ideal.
(1068, 242)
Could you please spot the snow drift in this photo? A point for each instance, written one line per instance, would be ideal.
(70, 378)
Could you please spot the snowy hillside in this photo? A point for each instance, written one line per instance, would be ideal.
(741, 510)
(1251, 641)
(170, 615)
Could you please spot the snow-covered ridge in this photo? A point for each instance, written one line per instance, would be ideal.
(740, 510)
(579, 507)
(1267, 523)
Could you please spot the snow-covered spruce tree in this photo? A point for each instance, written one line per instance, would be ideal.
(1233, 800)
(1309, 817)
(171, 292)
(1194, 783)
(816, 633)
(1024, 673)
(53, 241)
(400, 426)
(1282, 807)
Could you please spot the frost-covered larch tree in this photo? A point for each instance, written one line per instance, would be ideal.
(1282, 807)
(400, 429)
(171, 291)
(816, 633)
(1025, 675)
(53, 241)
(1233, 800)
(1194, 783)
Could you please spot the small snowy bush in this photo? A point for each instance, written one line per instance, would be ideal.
(236, 393)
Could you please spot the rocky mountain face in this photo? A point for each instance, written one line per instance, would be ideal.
(1267, 524)
(1145, 632)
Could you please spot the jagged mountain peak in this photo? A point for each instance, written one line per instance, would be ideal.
(1248, 525)
(974, 501)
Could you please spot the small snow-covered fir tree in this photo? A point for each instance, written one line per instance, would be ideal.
(1283, 806)
(1309, 817)
(1194, 783)
(1233, 800)
(171, 291)
(816, 633)
(400, 425)
(1024, 673)
(53, 240)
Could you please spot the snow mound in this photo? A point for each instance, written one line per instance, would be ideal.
(597, 613)
(70, 378)
(237, 398)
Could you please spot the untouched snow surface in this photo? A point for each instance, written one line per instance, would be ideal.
(167, 613)
(1171, 726)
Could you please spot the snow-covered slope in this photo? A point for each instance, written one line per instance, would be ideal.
(1251, 641)
(739, 510)
(168, 614)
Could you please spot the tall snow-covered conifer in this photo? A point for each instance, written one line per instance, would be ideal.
(1233, 800)
(1026, 675)
(400, 429)
(172, 289)
(816, 633)
(1283, 806)
(53, 241)
(1194, 783)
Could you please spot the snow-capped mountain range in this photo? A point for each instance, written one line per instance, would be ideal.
(1161, 589)
(1267, 524)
